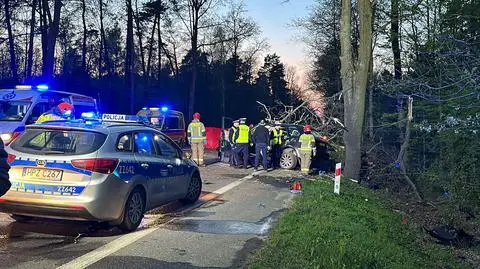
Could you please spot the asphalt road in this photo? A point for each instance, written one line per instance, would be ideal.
(232, 218)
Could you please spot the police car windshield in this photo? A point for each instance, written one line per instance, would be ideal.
(38, 141)
(13, 110)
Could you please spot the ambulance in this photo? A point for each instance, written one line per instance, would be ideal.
(22, 105)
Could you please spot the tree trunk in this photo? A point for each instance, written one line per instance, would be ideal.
(140, 37)
(354, 81)
(403, 150)
(129, 56)
(11, 42)
(28, 71)
(193, 85)
(53, 28)
(103, 44)
(395, 36)
(150, 49)
(84, 43)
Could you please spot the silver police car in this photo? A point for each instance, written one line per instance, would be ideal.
(112, 170)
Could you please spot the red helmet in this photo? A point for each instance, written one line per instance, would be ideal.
(196, 116)
(64, 106)
(307, 128)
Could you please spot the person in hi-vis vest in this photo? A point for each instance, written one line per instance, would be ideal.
(197, 139)
(242, 141)
(307, 148)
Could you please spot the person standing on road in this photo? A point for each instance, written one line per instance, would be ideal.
(241, 140)
(231, 135)
(260, 138)
(4, 168)
(277, 139)
(197, 139)
(307, 148)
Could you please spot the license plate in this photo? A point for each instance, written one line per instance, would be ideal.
(42, 174)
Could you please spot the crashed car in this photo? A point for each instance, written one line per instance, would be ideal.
(290, 158)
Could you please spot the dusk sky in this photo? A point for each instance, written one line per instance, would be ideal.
(275, 19)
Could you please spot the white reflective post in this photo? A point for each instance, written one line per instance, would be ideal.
(338, 174)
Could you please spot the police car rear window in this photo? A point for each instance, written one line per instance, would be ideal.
(38, 141)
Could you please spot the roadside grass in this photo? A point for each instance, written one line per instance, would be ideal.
(353, 230)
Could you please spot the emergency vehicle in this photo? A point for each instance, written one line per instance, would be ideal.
(23, 105)
(170, 122)
(112, 169)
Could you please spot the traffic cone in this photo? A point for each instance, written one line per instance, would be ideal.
(297, 186)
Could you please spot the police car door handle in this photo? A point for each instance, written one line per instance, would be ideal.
(145, 165)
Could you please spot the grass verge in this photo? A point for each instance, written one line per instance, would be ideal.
(353, 230)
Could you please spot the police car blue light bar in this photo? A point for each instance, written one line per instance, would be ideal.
(164, 109)
(42, 87)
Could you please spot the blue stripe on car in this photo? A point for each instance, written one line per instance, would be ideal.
(47, 189)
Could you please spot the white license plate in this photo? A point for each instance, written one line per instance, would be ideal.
(42, 174)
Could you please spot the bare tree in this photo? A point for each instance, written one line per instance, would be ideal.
(354, 74)
(50, 31)
(28, 70)
(11, 42)
(193, 14)
(129, 61)
(84, 39)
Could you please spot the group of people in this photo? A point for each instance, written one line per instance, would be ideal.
(241, 136)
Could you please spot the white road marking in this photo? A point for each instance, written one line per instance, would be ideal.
(128, 239)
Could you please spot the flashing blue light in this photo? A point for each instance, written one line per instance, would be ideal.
(42, 87)
(89, 115)
(164, 109)
(144, 139)
(145, 108)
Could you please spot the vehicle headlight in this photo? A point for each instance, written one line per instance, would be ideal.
(6, 137)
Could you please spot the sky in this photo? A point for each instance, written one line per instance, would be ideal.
(275, 19)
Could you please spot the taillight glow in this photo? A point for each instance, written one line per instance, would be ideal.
(11, 158)
(104, 166)
(9, 137)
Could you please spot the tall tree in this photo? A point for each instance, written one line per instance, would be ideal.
(193, 13)
(49, 36)
(395, 37)
(28, 70)
(11, 42)
(84, 39)
(354, 72)
(139, 33)
(129, 61)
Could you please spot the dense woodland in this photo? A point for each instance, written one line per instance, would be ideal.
(394, 81)
(192, 55)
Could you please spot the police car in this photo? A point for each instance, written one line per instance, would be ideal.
(113, 169)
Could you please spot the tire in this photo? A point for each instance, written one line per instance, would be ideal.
(194, 190)
(21, 218)
(289, 159)
(134, 211)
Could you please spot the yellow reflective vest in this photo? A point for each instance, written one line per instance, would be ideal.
(307, 142)
(242, 134)
(196, 131)
(277, 137)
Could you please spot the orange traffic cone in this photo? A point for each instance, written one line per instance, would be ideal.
(296, 187)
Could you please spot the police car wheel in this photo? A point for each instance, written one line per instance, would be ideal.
(134, 211)
(21, 217)
(194, 190)
(288, 160)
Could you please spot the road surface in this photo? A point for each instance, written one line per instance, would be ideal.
(231, 220)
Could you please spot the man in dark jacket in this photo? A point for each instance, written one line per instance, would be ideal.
(261, 137)
(4, 167)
